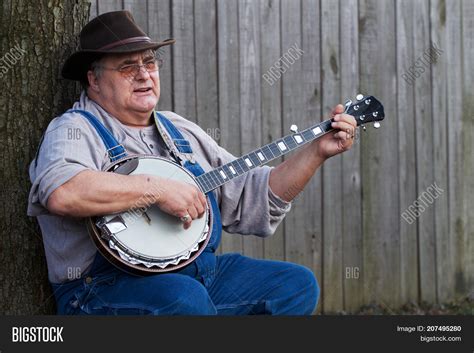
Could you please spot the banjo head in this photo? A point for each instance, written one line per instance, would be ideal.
(145, 239)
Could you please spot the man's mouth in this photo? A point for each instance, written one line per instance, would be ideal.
(142, 90)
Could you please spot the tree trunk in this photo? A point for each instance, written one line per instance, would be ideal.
(36, 37)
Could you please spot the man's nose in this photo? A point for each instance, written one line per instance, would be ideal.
(142, 73)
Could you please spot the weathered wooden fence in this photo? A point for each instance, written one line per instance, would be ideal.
(348, 225)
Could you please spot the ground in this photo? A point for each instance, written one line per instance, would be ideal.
(464, 306)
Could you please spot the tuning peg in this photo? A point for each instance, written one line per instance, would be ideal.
(376, 125)
(364, 128)
(347, 105)
(359, 97)
(294, 128)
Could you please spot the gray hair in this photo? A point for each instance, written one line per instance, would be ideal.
(96, 68)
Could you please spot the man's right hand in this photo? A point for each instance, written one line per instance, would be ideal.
(179, 199)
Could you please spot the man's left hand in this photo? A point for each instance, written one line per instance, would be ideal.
(339, 140)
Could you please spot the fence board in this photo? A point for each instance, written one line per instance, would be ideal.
(468, 141)
(292, 113)
(274, 246)
(332, 170)
(351, 183)
(205, 42)
(424, 151)
(93, 9)
(444, 250)
(159, 28)
(140, 12)
(250, 78)
(111, 5)
(380, 158)
(229, 90)
(406, 152)
(184, 76)
(455, 148)
(312, 87)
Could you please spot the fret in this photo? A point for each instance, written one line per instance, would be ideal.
(228, 171)
(207, 186)
(290, 142)
(248, 162)
(282, 146)
(307, 135)
(213, 178)
(223, 174)
(232, 170)
(261, 156)
(243, 165)
(326, 125)
(205, 179)
(237, 167)
(210, 180)
(201, 182)
(220, 179)
(267, 152)
(317, 130)
(298, 138)
(253, 157)
(275, 150)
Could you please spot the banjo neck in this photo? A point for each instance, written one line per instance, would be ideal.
(213, 179)
(365, 109)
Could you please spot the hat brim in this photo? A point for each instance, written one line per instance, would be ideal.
(75, 67)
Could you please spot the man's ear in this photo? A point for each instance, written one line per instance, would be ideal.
(93, 81)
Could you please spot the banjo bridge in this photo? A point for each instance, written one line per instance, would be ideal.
(147, 218)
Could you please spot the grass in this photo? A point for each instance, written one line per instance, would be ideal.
(463, 306)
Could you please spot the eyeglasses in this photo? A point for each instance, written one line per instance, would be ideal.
(132, 70)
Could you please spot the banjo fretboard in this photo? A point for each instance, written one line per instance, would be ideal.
(261, 156)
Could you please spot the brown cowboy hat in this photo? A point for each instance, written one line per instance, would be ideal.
(111, 32)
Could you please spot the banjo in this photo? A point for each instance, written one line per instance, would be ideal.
(145, 240)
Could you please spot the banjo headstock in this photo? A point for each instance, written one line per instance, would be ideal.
(365, 109)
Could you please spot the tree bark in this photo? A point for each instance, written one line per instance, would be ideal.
(36, 37)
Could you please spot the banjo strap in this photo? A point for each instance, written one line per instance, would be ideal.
(179, 148)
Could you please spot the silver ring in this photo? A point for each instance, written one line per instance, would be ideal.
(185, 218)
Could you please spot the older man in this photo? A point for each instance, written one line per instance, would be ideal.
(119, 70)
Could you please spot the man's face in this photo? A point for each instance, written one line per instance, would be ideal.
(125, 91)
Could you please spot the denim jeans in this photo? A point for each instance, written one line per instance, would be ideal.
(229, 284)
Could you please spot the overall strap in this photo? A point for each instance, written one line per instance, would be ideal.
(115, 150)
(181, 147)
(178, 146)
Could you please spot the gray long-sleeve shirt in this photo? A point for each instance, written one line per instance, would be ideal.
(71, 145)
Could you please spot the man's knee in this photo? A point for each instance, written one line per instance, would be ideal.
(185, 297)
(312, 287)
(306, 286)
